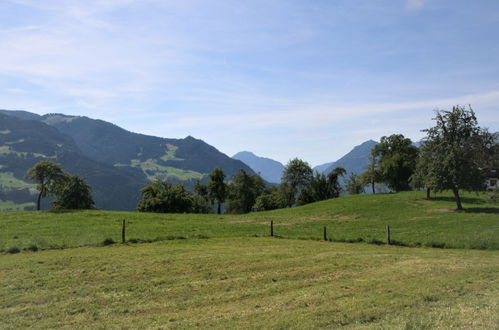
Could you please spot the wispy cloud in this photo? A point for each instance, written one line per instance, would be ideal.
(415, 5)
(241, 74)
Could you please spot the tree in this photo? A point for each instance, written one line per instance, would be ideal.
(455, 149)
(420, 178)
(354, 185)
(163, 197)
(372, 174)
(297, 174)
(322, 187)
(73, 193)
(202, 190)
(270, 199)
(218, 188)
(47, 175)
(397, 161)
(243, 191)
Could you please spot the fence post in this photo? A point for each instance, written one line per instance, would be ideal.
(123, 232)
(271, 228)
(325, 233)
(388, 235)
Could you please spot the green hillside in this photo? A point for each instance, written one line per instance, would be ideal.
(154, 157)
(211, 271)
(362, 218)
(23, 143)
(116, 163)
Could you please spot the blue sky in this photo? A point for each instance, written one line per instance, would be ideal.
(282, 78)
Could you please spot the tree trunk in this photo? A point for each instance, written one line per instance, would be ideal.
(38, 201)
(458, 198)
(374, 191)
(219, 208)
(428, 193)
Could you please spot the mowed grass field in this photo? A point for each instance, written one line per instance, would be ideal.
(211, 271)
(414, 221)
(250, 283)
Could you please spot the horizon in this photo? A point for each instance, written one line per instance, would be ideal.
(284, 79)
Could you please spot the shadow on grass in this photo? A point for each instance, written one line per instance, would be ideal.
(467, 200)
(493, 210)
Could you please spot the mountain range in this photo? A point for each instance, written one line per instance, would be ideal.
(115, 162)
(270, 170)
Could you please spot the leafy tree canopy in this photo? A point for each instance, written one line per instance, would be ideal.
(322, 187)
(47, 175)
(163, 197)
(217, 187)
(243, 191)
(73, 193)
(397, 161)
(454, 152)
(298, 175)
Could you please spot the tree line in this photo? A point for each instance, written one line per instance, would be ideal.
(452, 157)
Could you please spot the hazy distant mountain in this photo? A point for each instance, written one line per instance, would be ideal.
(269, 169)
(115, 162)
(355, 161)
(322, 168)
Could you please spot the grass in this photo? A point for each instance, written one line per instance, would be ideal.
(413, 220)
(12, 206)
(8, 181)
(250, 283)
(153, 171)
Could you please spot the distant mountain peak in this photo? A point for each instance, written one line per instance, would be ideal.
(269, 169)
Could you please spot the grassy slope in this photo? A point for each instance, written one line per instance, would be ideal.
(261, 282)
(413, 220)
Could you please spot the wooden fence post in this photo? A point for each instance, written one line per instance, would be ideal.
(123, 232)
(325, 233)
(272, 228)
(388, 235)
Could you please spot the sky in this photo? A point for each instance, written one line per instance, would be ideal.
(281, 78)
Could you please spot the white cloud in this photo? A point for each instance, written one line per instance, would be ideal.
(415, 5)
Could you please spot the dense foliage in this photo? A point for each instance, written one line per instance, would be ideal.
(322, 187)
(73, 193)
(47, 175)
(163, 197)
(243, 191)
(397, 161)
(217, 188)
(297, 176)
(454, 152)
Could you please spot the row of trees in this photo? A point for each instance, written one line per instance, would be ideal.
(244, 193)
(451, 157)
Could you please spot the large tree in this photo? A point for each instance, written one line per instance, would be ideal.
(322, 187)
(163, 197)
(454, 152)
(397, 161)
(47, 175)
(243, 191)
(73, 193)
(297, 175)
(218, 187)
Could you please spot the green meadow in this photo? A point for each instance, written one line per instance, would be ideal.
(212, 271)
(250, 283)
(413, 221)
